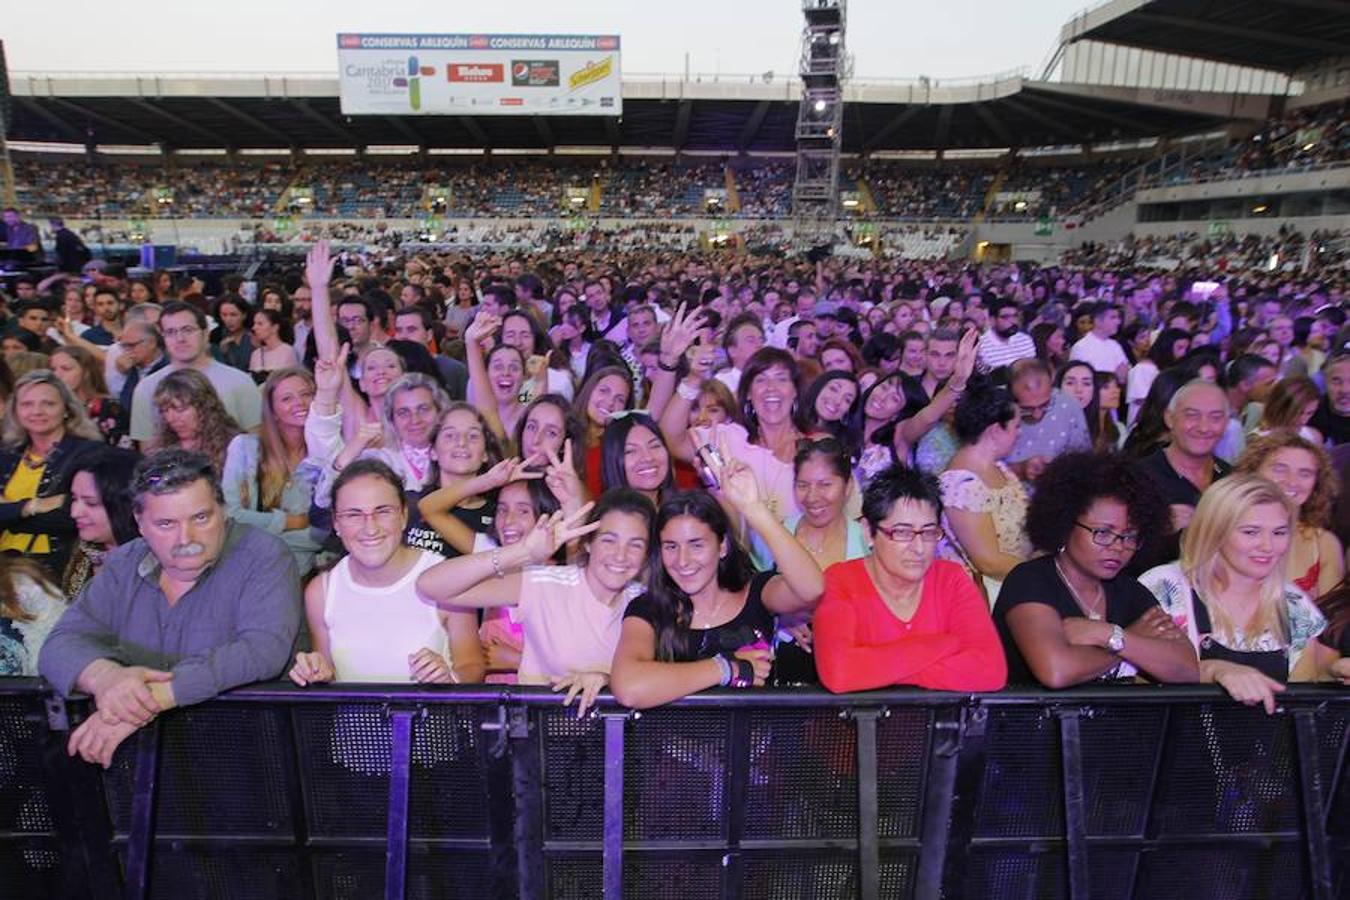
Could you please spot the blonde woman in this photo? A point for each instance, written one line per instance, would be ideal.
(262, 480)
(1255, 631)
(43, 432)
(1303, 471)
(191, 416)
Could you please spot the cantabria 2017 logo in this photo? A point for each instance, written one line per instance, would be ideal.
(413, 81)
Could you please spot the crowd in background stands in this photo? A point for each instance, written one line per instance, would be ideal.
(1289, 250)
(661, 471)
(1307, 137)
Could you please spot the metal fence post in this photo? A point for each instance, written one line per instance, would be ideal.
(613, 828)
(949, 727)
(869, 853)
(142, 837)
(1075, 804)
(1314, 806)
(396, 829)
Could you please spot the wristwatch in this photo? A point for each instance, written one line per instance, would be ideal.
(1116, 643)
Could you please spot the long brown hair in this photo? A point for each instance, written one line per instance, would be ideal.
(274, 462)
(12, 568)
(215, 426)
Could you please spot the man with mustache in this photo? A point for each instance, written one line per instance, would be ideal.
(197, 605)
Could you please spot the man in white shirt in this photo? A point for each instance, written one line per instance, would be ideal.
(185, 342)
(1003, 343)
(1098, 348)
(743, 337)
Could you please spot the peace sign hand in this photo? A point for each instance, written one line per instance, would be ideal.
(330, 373)
(552, 532)
(507, 471)
(562, 480)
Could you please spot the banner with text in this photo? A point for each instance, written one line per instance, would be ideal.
(479, 74)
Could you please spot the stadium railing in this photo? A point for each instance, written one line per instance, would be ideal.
(498, 791)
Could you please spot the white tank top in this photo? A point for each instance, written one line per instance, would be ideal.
(373, 630)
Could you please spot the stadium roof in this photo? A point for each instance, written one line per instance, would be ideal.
(185, 112)
(1284, 35)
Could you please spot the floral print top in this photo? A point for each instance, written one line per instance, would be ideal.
(1169, 584)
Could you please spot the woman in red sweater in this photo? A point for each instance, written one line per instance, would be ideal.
(897, 616)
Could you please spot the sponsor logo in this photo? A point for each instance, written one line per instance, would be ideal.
(534, 73)
(607, 43)
(479, 73)
(607, 101)
(591, 73)
(349, 40)
(391, 77)
(512, 101)
(478, 42)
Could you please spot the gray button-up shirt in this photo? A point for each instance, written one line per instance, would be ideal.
(1061, 430)
(236, 625)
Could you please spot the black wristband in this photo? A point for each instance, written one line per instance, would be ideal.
(745, 673)
(660, 364)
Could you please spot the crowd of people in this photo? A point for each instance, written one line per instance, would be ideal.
(657, 471)
(1314, 136)
(530, 186)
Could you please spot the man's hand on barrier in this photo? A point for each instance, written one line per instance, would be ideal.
(96, 740)
(586, 684)
(428, 667)
(123, 694)
(311, 668)
(1243, 683)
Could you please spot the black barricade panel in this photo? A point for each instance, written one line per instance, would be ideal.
(802, 775)
(1182, 799)
(903, 746)
(1022, 795)
(573, 760)
(344, 758)
(801, 873)
(1121, 746)
(223, 770)
(30, 864)
(448, 792)
(1227, 769)
(676, 777)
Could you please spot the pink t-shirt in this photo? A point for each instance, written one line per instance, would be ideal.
(566, 628)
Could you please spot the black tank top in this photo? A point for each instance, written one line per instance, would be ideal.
(1271, 663)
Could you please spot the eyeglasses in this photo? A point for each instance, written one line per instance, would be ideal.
(905, 534)
(351, 321)
(1105, 537)
(1034, 412)
(355, 518)
(185, 331)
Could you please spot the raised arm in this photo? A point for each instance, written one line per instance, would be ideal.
(799, 582)
(492, 578)
(437, 507)
(318, 274)
(670, 405)
(477, 338)
(919, 424)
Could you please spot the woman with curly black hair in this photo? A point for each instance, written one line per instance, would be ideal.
(1066, 617)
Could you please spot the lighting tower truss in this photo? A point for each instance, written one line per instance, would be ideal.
(820, 119)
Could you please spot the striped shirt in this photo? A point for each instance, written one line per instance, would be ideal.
(993, 352)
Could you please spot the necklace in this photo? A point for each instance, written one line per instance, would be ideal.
(825, 538)
(712, 616)
(1093, 611)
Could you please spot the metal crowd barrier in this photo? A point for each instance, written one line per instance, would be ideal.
(489, 791)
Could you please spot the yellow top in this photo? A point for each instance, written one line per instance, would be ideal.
(22, 486)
